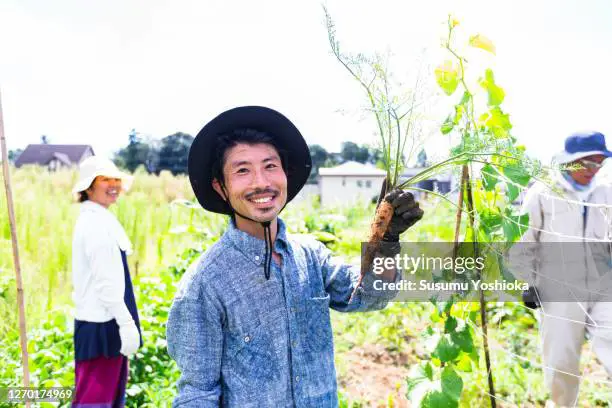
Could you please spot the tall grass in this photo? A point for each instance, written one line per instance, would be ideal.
(46, 211)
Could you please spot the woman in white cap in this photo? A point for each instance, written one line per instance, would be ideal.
(107, 328)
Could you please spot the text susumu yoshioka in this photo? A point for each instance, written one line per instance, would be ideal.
(472, 284)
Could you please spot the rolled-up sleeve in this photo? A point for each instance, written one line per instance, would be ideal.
(340, 279)
(195, 341)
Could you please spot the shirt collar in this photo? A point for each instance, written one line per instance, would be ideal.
(252, 247)
(89, 205)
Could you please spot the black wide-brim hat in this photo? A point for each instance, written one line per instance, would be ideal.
(287, 138)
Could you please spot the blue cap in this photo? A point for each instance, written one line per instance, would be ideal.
(581, 145)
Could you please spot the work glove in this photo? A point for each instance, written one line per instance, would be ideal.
(531, 298)
(128, 332)
(406, 213)
(130, 337)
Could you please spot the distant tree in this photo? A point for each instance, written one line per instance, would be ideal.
(136, 153)
(44, 139)
(319, 157)
(349, 151)
(362, 154)
(374, 156)
(174, 152)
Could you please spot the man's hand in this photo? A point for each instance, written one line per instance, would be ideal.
(406, 213)
(531, 298)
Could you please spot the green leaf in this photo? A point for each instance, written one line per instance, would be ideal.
(517, 174)
(464, 363)
(496, 94)
(515, 226)
(452, 384)
(324, 237)
(437, 399)
(447, 126)
(463, 339)
(490, 220)
(489, 177)
(447, 76)
(445, 350)
(496, 122)
(459, 111)
(513, 192)
(450, 325)
(482, 42)
(427, 370)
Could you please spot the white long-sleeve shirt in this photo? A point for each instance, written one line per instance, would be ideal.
(97, 268)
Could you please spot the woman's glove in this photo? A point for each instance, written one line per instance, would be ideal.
(130, 337)
(128, 332)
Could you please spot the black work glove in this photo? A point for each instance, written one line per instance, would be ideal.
(531, 298)
(406, 211)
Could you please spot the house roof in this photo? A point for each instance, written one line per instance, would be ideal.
(63, 158)
(43, 153)
(351, 168)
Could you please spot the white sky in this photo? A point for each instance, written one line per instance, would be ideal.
(90, 71)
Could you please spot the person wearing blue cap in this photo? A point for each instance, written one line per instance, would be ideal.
(250, 323)
(566, 255)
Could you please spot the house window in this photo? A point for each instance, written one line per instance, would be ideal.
(368, 183)
(359, 183)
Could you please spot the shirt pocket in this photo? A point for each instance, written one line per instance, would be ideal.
(251, 356)
(318, 331)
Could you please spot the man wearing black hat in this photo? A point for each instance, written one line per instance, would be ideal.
(250, 324)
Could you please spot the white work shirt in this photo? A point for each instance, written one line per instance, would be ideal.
(97, 269)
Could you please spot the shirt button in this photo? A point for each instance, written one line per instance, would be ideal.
(294, 343)
(297, 378)
(247, 339)
(293, 310)
(257, 257)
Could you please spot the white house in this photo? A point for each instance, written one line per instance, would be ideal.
(349, 182)
(353, 181)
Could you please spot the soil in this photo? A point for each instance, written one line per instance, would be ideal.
(376, 376)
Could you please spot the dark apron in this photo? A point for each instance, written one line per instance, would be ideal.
(92, 340)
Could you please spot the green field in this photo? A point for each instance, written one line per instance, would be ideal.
(375, 352)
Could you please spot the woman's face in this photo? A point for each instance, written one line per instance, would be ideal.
(104, 191)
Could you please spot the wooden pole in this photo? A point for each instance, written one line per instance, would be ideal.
(483, 304)
(11, 213)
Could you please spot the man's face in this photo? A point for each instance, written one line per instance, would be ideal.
(254, 180)
(589, 168)
(104, 191)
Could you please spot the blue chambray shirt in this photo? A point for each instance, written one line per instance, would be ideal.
(243, 341)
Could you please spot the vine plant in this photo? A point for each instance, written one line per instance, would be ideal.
(493, 174)
(493, 171)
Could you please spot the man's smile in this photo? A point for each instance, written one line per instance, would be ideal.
(262, 199)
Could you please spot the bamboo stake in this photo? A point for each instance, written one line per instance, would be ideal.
(483, 304)
(20, 303)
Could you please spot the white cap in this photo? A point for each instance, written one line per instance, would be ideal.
(95, 166)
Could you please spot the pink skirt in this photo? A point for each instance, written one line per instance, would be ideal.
(100, 382)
